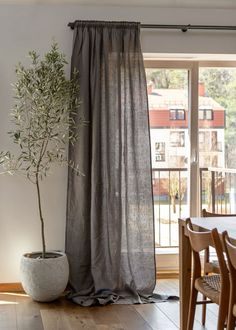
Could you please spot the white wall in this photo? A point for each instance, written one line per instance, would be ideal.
(27, 27)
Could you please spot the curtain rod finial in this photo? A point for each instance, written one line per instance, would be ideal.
(71, 25)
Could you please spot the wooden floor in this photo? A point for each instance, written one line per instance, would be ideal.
(19, 312)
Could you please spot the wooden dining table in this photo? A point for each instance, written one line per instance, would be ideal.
(200, 224)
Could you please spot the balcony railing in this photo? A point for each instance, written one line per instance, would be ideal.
(218, 194)
(170, 202)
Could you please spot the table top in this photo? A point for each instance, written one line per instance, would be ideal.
(221, 223)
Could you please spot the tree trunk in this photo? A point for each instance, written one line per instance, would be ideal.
(173, 203)
(41, 218)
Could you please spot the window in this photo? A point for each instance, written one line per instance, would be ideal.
(177, 114)
(205, 114)
(184, 92)
(160, 151)
(177, 139)
(214, 141)
(214, 161)
(204, 160)
(204, 138)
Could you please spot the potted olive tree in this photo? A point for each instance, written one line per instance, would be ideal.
(45, 105)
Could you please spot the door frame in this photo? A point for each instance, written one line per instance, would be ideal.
(193, 165)
(171, 256)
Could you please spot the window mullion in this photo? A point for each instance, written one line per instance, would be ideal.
(194, 194)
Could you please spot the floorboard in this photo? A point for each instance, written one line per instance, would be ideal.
(155, 318)
(27, 313)
(19, 312)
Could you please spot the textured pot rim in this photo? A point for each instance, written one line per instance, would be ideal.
(60, 253)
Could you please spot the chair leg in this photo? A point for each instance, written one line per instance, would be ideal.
(203, 311)
(231, 317)
(192, 308)
(231, 322)
(222, 316)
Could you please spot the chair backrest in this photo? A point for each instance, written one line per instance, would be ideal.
(230, 250)
(207, 214)
(200, 241)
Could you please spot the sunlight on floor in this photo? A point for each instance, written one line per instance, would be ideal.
(14, 294)
(3, 302)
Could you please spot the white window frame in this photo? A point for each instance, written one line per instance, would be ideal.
(178, 134)
(192, 67)
(168, 257)
(160, 155)
(193, 70)
(204, 112)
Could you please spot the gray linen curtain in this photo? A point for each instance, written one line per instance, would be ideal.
(109, 233)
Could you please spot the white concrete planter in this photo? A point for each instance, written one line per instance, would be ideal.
(44, 279)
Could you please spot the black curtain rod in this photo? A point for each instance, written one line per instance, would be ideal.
(183, 28)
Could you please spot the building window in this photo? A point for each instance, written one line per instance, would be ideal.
(160, 151)
(177, 139)
(214, 161)
(204, 137)
(214, 146)
(205, 114)
(177, 114)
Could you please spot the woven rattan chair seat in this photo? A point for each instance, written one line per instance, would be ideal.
(209, 285)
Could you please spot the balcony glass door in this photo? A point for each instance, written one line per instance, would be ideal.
(169, 96)
(192, 108)
(217, 147)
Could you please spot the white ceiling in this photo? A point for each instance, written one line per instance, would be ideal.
(221, 4)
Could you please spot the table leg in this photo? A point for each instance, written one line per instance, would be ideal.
(184, 274)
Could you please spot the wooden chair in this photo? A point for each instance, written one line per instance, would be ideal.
(215, 287)
(210, 266)
(207, 214)
(230, 250)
